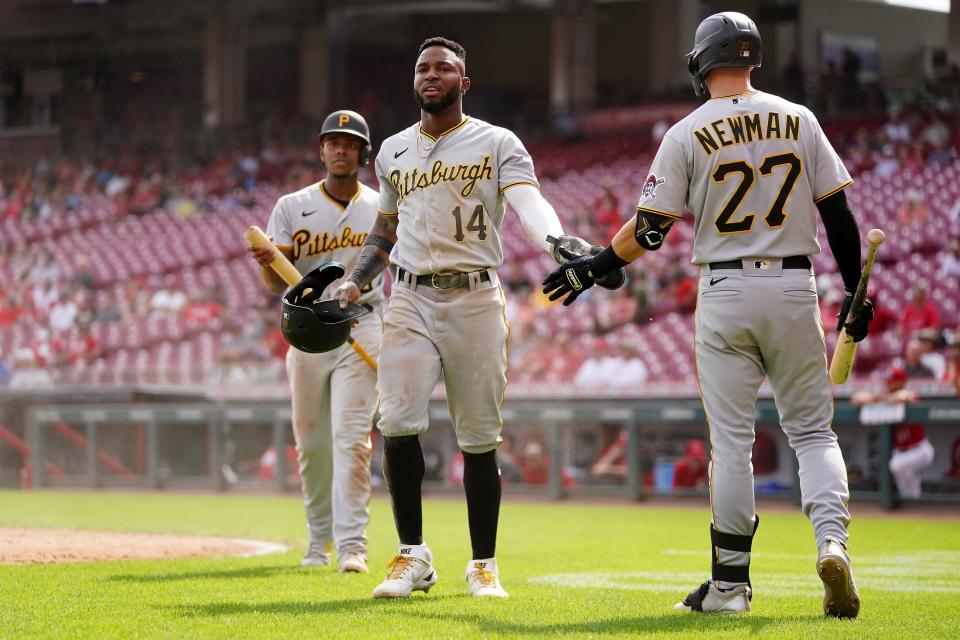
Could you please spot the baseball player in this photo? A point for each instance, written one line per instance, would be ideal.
(333, 393)
(444, 183)
(753, 169)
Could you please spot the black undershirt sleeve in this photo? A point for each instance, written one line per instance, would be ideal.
(843, 236)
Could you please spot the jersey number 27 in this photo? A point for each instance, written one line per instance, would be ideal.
(776, 215)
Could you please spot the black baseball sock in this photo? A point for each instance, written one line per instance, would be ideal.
(403, 470)
(481, 482)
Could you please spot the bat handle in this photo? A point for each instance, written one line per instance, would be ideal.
(366, 357)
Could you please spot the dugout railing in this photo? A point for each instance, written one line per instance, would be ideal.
(208, 425)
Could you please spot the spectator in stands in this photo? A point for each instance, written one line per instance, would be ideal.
(82, 347)
(929, 341)
(267, 467)
(942, 154)
(913, 210)
(11, 307)
(912, 451)
(534, 464)
(110, 311)
(887, 163)
(913, 361)
(44, 269)
(884, 319)
(685, 293)
(830, 303)
(608, 215)
(897, 130)
(83, 274)
(169, 299)
(690, 471)
(918, 313)
(622, 369)
(951, 262)
(936, 133)
(63, 314)
(201, 311)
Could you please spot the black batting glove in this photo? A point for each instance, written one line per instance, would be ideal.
(571, 278)
(859, 328)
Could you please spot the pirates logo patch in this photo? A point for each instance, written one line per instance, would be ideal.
(650, 187)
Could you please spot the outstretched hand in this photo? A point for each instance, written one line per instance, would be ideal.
(570, 279)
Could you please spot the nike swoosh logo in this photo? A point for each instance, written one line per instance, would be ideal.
(399, 153)
(308, 213)
(714, 281)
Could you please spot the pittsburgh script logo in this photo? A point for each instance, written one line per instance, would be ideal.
(415, 179)
(304, 243)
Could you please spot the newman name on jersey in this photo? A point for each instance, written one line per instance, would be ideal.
(752, 167)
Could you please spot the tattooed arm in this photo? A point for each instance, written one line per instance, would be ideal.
(373, 259)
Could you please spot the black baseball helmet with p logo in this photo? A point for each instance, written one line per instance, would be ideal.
(346, 121)
(313, 325)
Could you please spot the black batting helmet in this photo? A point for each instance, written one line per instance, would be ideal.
(346, 121)
(727, 39)
(315, 326)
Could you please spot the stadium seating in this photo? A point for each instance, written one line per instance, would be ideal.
(205, 252)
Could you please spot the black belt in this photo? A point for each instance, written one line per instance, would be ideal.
(790, 262)
(456, 280)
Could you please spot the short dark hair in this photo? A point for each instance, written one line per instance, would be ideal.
(438, 41)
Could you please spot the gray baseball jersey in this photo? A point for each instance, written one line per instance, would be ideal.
(448, 194)
(317, 229)
(332, 393)
(751, 168)
(450, 200)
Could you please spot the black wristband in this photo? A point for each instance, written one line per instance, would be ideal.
(607, 261)
(379, 242)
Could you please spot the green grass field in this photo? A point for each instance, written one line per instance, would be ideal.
(572, 571)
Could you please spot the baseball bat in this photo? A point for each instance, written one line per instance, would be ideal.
(288, 273)
(843, 355)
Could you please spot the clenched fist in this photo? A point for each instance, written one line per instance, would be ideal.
(263, 255)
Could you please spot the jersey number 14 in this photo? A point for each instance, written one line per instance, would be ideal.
(476, 223)
(776, 215)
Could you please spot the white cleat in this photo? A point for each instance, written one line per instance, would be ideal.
(709, 598)
(316, 555)
(352, 563)
(483, 579)
(410, 570)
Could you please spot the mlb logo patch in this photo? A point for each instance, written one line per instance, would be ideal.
(737, 100)
(744, 49)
